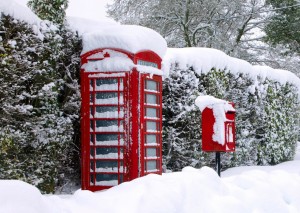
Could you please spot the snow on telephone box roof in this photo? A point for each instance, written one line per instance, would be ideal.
(131, 38)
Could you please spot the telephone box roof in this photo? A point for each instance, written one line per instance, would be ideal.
(131, 38)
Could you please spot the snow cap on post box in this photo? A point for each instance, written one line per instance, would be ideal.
(219, 108)
(131, 38)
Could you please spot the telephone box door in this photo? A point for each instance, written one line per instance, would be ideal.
(151, 155)
(108, 114)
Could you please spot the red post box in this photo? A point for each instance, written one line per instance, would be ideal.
(218, 124)
(121, 116)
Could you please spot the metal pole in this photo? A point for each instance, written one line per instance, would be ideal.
(218, 163)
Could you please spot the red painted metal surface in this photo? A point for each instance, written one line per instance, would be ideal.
(208, 120)
(148, 56)
(115, 126)
(134, 122)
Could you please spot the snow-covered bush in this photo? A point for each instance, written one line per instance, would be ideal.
(179, 127)
(39, 103)
(266, 110)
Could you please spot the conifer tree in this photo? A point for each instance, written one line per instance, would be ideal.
(52, 10)
(283, 27)
(39, 95)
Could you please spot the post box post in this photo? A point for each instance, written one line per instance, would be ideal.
(218, 163)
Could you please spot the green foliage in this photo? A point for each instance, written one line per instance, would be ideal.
(284, 25)
(281, 130)
(52, 10)
(9, 158)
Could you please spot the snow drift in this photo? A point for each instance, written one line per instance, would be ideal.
(251, 189)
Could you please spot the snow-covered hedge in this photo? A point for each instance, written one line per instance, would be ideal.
(266, 103)
(39, 96)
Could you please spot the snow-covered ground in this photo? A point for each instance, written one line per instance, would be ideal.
(244, 189)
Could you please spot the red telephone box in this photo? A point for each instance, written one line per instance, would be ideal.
(226, 132)
(121, 116)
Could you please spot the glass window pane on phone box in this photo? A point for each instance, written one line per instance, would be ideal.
(151, 152)
(151, 112)
(107, 139)
(151, 125)
(107, 165)
(151, 165)
(103, 179)
(92, 179)
(109, 112)
(151, 139)
(106, 177)
(106, 150)
(103, 109)
(109, 126)
(107, 84)
(92, 166)
(91, 125)
(91, 111)
(151, 85)
(91, 85)
(151, 99)
(92, 152)
(105, 123)
(106, 95)
(92, 138)
(121, 178)
(91, 98)
(108, 98)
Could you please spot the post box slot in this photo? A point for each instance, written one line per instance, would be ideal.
(229, 133)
